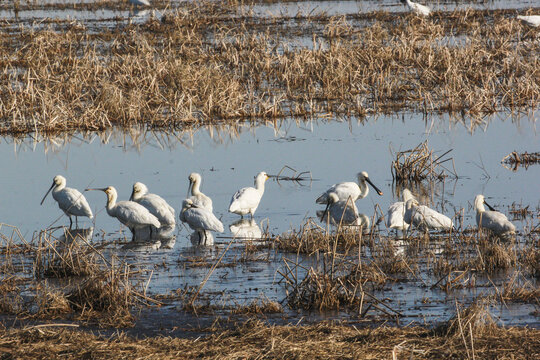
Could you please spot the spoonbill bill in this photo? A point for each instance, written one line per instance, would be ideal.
(69, 200)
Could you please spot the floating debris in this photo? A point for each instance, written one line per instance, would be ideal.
(525, 159)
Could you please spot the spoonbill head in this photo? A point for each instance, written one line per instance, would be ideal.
(352, 190)
(492, 220)
(129, 213)
(425, 218)
(198, 198)
(246, 200)
(417, 8)
(69, 200)
(200, 220)
(154, 203)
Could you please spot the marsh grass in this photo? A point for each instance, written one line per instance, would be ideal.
(208, 62)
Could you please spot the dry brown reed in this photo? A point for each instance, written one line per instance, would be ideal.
(524, 159)
(210, 62)
(255, 339)
(418, 164)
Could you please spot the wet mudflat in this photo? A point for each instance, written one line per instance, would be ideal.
(285, 266)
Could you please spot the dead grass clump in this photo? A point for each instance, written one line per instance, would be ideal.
(51, 303)
(418, 164)
(524, 159)
(261, 305)
(312, 238)
(530, 261)
(470, 322)
(107, 292)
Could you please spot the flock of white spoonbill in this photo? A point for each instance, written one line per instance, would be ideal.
(146, 210)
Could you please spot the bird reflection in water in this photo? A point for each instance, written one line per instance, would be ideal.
(246, 229)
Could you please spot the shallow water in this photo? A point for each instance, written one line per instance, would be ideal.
(332, 151)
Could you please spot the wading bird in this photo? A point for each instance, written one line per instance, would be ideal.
(137, 3)
(154, 203)
(200, 220)
(342, 212)
(425, 218)
(492, 220)
(129, 213)
(394, 217)
(417, 8)
(531, 20)
(198, 198)
(246, 200)
(71, 201)
(352, 190)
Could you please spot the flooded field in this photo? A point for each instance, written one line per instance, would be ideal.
(292, 115)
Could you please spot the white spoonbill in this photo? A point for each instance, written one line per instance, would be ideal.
(71, 201)
(198, 198)
(200, 220)
(342, 212)
(140, 3)
(394, 216)
(424, 217)
(246, 200)
(417, 8)
(129, 213)
(154, 203)
(491, 219)
(352, 190)
(531, 20)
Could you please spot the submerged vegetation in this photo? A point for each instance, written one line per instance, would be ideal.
(215, 62)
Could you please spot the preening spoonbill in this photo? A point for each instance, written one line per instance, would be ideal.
(424, 217)
(71, 201)
(140, 2)
(246, 200)
(198, 198)
(129, 213)
(417, 8)
(352, 190)
(531, 20)
(154, 203)
(342, 212)
(491, 219)
(200, 220)
(394, 217)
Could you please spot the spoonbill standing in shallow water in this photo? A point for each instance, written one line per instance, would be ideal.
(417, 8)
(154, 203)
(200, 220)
(342, 212)
(140, 2)
(198, 198)
(71, 201)
(491, 219)
(396, 211)
(129, 213)
(531, 20)
(246, 200)
(424, 217)
(352, 190)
